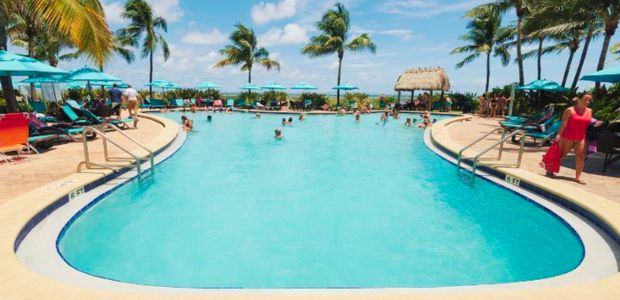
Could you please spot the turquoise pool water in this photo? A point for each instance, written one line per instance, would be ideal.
(335, 204)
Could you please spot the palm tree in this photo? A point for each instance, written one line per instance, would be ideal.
(83, 22)
(616, 49)
(144, 22)
(485, 36)
(609, 14)
(244, 51)
(334, 27)
(531, 27)
(503, 6)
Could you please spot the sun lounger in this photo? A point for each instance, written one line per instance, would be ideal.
(14, 137)
(547, 135)
(230, 103)
(208, 102)
(307, 103)
(239, 103)
(89, 118)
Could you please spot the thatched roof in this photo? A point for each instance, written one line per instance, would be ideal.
(423, 79)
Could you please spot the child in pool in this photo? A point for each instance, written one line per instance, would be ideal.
(278, 133)
(408, 122)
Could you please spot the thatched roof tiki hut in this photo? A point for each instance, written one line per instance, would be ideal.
(423, 79)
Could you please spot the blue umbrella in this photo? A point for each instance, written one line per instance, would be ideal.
(89, 74)
(606, 75)
(543, 85)
(250, 87)
(207, 85)
(304, 86)
(75, 85)
(274, 87)
(345, 87)
(17, 65)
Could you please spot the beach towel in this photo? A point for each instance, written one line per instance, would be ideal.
(551, 159)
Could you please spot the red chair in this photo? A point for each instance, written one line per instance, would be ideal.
(13, 134)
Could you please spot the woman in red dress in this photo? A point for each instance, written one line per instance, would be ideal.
(572, 135)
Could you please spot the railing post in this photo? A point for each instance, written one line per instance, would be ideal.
(522, 145)
(501, 145)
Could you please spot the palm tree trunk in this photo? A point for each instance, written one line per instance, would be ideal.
(519, 42)
(486, 87)
(584, 53)
(250, 80)
(33, 90)
(570, 61)
(610, 30)
(7, 84)
(340, 55)
(539, 62)
(151, 75)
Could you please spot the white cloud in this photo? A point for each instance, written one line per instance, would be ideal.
(113, 11)
(426, 8)
(168, 9)
(291, 34)
(212, 37)
(405, 34)
(266, 12)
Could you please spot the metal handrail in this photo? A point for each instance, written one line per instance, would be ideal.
(501, 143)
(460, 154)
(151, 154)
(136, 159)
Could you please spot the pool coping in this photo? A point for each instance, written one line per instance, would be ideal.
(19, 282)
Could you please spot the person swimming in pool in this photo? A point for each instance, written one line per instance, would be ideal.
(302, 116)
(283, 121)
(290, 121)
(257, 115)
(384, 118)
(209, 118)
(278, 133)
(408, 122)
(357, 116)
(188, 124)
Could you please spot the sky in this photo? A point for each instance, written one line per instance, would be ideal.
(408, 33)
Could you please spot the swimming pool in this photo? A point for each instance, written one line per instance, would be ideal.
(335, 204)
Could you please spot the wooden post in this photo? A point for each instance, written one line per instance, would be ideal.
(398, 96)
(442, 101)
(430, 102)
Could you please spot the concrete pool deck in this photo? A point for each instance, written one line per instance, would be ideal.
(20, 282)
(603, 184)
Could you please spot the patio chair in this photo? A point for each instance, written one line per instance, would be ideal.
(307, 103)
(93, 119)
(239, 103)
(547, 135)
(230, 103)
(39, 107)
(609, 144)
(208, 102)
(14, 137)
(38, 128)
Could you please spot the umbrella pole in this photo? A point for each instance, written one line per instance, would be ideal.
(512, 98)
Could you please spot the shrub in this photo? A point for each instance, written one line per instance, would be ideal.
(466, 100)
(249, 96)
(317, 99)
(274, 96)
(607, 107)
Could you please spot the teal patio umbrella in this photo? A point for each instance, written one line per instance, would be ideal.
(543, 85)
(75, 85)
(163, 85)
(606, 75)
(345, 87)
(274, 86)
(89, 74)
(250, 87)
(304, 86)
(207, 85)
(18, 65)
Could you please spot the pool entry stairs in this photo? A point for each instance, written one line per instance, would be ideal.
(116, 163)
(476, 159)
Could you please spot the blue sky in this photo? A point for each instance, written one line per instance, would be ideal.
(409, 33)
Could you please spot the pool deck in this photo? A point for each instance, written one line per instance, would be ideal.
(36, 170)
(20, 282)
(603, 184)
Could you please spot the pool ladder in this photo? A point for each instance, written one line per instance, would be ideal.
(477, 158)
(109, 163)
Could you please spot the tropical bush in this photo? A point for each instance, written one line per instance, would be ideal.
(362, 99)
(274, 96)
(317, 99)
(464, 101)
(191, 94)
(607, 107)
(248, 96)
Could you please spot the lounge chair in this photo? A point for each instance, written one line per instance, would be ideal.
(547, 135)
(14, 137)
(307, 103)
(230, 103)
(609, 143)
(39, 128)
(239, 103)
(92, 119)
(208, 102)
